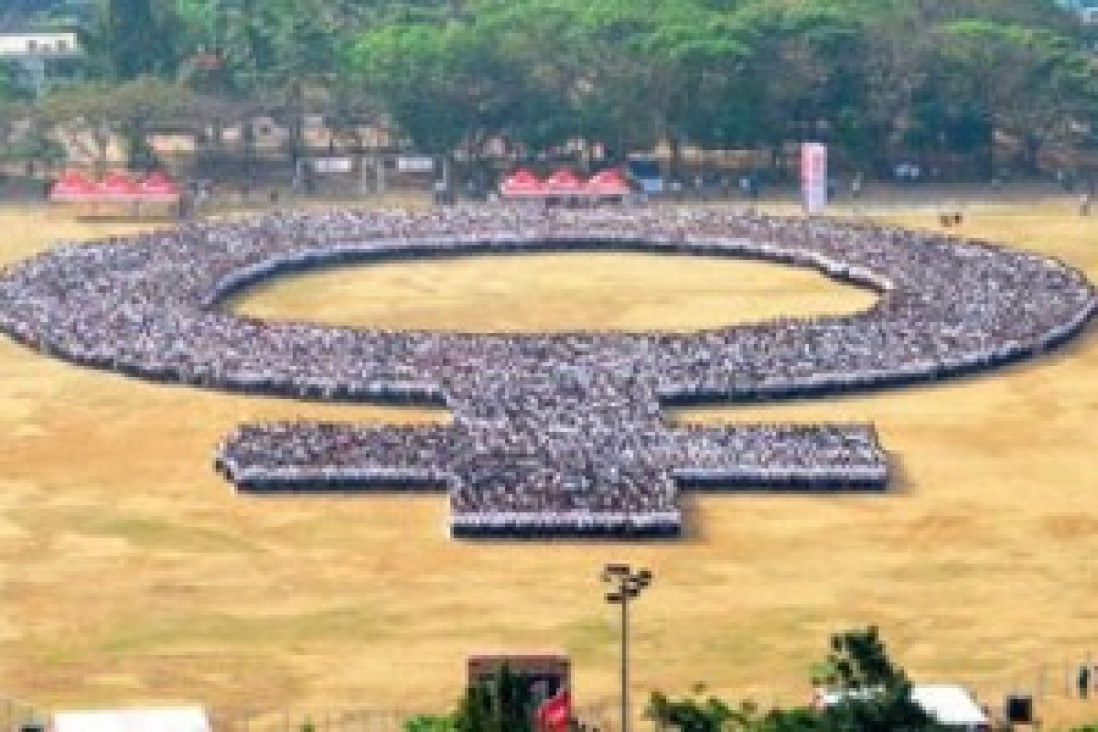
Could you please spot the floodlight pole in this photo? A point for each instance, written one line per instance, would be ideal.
(625, 663)
(625, 584)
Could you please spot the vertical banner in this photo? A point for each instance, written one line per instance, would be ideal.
(814, 177)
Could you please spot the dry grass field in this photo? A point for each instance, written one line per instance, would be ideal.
(129, 572)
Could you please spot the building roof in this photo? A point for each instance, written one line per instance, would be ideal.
(39, 43)
(184, 719)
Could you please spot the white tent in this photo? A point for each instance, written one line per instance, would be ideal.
(952, 706)
(949, 705)
(186, 719)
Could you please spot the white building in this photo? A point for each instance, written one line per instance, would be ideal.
(41, 57)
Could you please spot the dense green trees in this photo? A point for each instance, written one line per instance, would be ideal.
(876, 78)
(131, 38)
(964, 84)
(124, 112)
(9, 91)
(501, 703)
(873, 694)
(695, 714)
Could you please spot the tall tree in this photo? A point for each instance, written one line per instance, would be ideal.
(1040, 87)
(874, 692)
(131, 38)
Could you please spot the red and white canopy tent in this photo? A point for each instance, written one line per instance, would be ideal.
(610, 182)
(521, 184)
(159, 188)
(74, 187)
(564, 183)
(117, 187)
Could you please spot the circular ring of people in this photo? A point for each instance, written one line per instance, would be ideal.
(552, 434)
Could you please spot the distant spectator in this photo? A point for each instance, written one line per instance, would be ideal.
(186, 205)
(1063, 180)
(749, 184)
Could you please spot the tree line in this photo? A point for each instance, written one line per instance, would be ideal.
(973, 86)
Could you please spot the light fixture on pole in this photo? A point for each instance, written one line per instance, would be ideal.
(625, 585)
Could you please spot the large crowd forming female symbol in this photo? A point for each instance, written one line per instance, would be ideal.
(551, 434)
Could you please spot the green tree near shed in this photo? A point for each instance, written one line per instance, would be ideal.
(873, 694)
(501, 704)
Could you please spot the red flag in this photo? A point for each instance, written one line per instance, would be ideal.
(555, 713)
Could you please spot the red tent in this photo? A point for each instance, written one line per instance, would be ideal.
(118, 186)
(521, 183)
(159, 187)
(73, 186)
(610, 182)
(563, 183)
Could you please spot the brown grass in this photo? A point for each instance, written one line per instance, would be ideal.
(130, 572)
(552, 292)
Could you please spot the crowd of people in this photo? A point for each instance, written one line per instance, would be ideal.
(551, 433)
(612, 477)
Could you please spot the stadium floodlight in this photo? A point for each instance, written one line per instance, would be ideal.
(626, 585)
